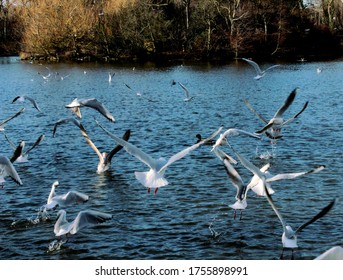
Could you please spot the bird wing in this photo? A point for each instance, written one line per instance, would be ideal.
(186, 151)
(34, 103)
(236, 180)
(222, 155)
(12, 117)
(95, 104)
(17, 152)
(132, 150)
(271, 67)
(185, 90)
(253, 110)
(72, 197)
(126, 137)
(321, 214)
(296, 115)
(14, 147)
(286, 104)
(38, 141)
(255, 65)
(62, 121)
(289, 176)
(88, 217)
(9, 170)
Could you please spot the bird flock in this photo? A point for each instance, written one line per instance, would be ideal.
(155, 178)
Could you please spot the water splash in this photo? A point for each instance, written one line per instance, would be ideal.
(214, 234)
(56, 245)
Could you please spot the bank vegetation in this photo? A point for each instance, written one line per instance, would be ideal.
(114, 30)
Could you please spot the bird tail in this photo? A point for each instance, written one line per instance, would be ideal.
(151, 179)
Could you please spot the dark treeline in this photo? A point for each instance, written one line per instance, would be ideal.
(159, 29)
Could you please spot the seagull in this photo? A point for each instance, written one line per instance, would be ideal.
(231, 132)
(63, 200)
(259, 72)
(110, 76)
(262, 178)
(83, 219)
(45, 77)
(7, 169)
(237, 182)
(105, 159)
(277, 122)
(139, 93)
(256, 184)
(19, 155)
(154, 178)
(23, 97)
(334, 253)
(2, 123)
(188, 97)
(289, 237)
(76, 104)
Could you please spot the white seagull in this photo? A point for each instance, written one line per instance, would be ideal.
(188, 97)
(93, 103)
(222, 140)
(277, 122)
(7, 169)
(83, 219)
(19, 155)
(105, 159)
(154, 178)
(289, 236)
(256, 184)
(64, 200)
(110, 76)
(259, 72)
(4, 122)
(24, 97)
(237, 182)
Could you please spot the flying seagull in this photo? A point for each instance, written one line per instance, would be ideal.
(289, 236)
(259, 72)
(4, 122)
(105, 159)
(277, 122)
(93, 103)
(83, 219)
(64, 200)
(7, 169)
(154, 178)
(25, 97)
(19, 155)
(188, 97)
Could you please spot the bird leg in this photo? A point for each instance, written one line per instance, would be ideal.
(148, 190)
(234, 214)
(240, 216)
(281, 256)
(155, 192)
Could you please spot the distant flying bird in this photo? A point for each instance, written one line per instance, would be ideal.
(259, 72)
(110, 76)
(83, 219)
(25, 97)
(19, 155)
(4, 122)
(277, 122)
(154, 178)
(93, 103)
(188, 97)
(7, 170)
(63, 200)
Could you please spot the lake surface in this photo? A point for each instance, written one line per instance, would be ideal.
(190, 218)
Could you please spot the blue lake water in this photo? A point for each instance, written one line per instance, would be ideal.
(190, 218)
